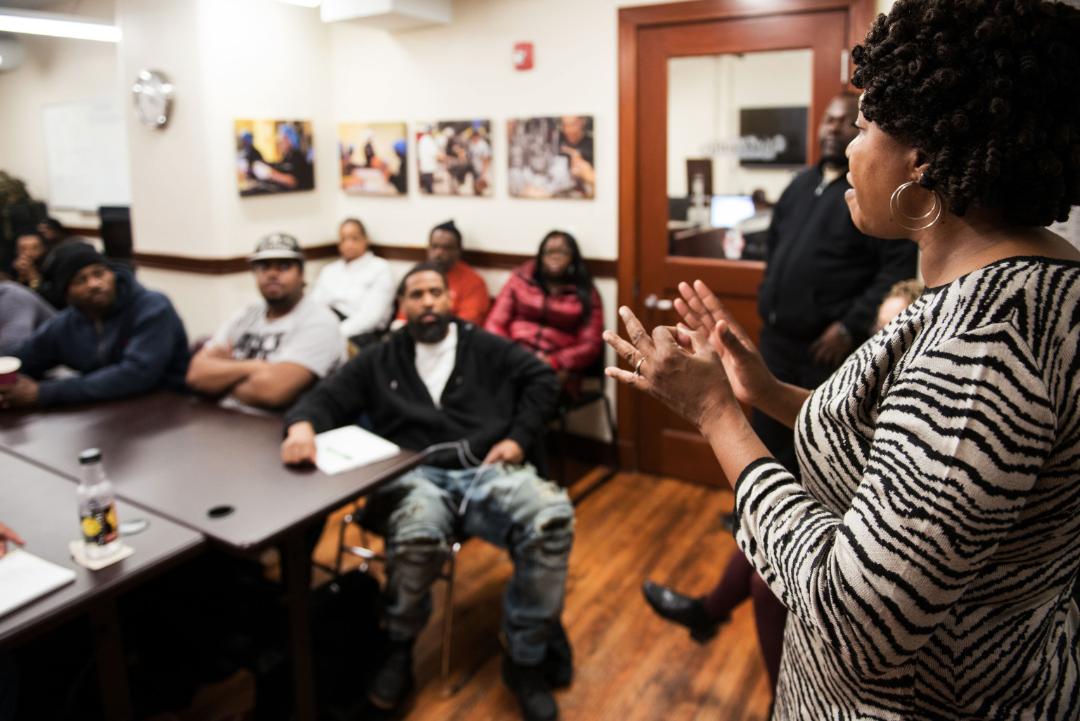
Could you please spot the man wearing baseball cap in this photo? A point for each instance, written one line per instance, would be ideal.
(272, 350)
(120, 338)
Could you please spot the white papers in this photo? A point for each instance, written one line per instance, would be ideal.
(24, 577)
(348, 447)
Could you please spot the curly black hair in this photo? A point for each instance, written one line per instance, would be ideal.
(577, 273)
(989, 92)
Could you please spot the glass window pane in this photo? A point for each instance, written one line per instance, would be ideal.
(737, 126)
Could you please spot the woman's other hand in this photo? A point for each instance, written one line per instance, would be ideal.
(702, 310)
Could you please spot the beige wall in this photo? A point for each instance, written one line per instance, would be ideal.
(349, 73)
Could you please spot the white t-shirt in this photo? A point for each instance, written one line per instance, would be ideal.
(307, 335)
(361, 290)
(427, 153)
(435, 363)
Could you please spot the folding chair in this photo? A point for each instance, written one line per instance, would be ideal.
(367, 555)
(593, 384)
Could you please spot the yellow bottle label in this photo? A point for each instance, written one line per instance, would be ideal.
(100, 526)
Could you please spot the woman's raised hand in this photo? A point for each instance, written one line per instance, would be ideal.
(702, 311)
(678, 367)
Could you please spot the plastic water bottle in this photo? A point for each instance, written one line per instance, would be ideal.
(97, 507)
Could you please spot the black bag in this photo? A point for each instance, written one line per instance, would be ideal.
(347, 639)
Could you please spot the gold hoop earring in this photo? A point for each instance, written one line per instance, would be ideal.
(911, 222)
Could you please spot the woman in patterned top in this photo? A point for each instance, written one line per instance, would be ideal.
(929, 552)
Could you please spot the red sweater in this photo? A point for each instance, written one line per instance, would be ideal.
(548, 324)
(468, 293)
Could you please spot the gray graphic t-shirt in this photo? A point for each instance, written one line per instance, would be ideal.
(308, 336)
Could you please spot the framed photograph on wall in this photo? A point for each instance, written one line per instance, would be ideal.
(772, 137)
(454, 157)
(374, 158)
(274, 156)
(552, 157)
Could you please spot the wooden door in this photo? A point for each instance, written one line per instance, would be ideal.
(665, 444)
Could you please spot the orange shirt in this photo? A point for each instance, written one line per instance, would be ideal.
(468, 293)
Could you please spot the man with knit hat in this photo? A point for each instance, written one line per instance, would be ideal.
(120, 338)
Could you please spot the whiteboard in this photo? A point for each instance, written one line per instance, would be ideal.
(86, 155)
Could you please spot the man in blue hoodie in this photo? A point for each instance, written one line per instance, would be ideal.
(120, 338)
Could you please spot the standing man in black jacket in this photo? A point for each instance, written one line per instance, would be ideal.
(442, 380)
(824, 280)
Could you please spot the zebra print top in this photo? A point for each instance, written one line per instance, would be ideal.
(929, 553)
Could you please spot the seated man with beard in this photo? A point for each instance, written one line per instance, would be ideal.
(441, 380)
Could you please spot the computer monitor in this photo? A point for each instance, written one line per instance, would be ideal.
(727, 211)
(677, 208)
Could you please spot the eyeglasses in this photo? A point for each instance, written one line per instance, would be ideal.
(557, 251)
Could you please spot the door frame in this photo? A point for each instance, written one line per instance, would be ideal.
(632, 20)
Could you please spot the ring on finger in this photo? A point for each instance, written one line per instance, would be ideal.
(637, 366)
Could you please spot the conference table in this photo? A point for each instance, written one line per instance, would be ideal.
(212, 470)
(41, 506)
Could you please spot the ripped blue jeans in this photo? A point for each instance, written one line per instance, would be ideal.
(509, 506)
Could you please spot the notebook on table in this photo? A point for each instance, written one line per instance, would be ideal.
(343, 449)
(25, 578)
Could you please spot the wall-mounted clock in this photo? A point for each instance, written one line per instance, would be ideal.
(153, 95)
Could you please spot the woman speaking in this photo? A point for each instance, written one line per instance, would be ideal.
(929, 552)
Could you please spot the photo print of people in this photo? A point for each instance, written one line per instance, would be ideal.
(552, 157)
(453, 157)
(274, 156)
(373, 158)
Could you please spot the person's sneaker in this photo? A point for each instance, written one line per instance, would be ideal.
(559, 659)
(680, 609)
(394, 680)
(531, 690)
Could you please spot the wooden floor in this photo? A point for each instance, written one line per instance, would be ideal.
(629, 665)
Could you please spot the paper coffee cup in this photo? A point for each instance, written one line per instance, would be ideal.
(9, 370)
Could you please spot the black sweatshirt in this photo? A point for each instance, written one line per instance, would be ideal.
(820, 268)
(497, 390)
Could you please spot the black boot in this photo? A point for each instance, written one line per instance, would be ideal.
(531, 690)
(684, 610)
(559, 659)
(394, 680)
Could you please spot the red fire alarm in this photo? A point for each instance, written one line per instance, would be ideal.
(523, 56)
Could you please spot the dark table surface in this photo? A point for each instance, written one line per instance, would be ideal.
(184, 457)
(41, 506)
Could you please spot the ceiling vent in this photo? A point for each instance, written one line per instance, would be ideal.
(391, 15)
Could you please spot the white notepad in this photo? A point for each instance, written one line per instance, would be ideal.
(24, 578)
(348, 447)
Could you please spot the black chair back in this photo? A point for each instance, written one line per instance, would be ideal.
(116, 232)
